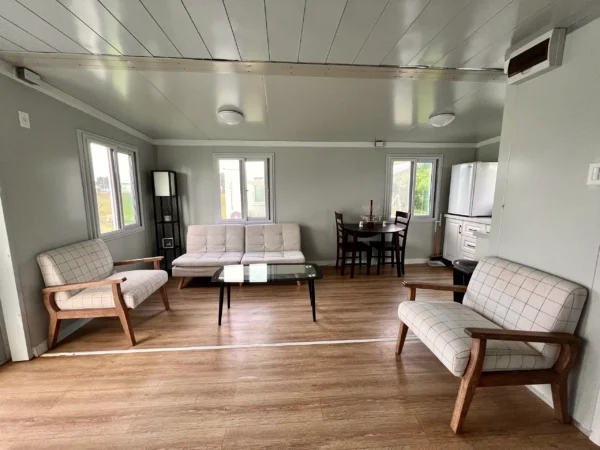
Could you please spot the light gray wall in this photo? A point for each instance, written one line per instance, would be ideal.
(544, 213)
(41, 184)
(310, 184)
(488, 153)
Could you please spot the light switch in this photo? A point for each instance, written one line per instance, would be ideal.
(24, 119)
(594, 174)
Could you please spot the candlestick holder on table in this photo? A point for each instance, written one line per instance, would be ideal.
(372, 215)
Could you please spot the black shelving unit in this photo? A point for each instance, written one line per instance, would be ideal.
(165, 195)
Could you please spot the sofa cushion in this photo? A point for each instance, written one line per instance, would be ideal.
(140, 284)
(75, 263)
(517, 297)
(278, 237)
(440, 326)
(210, 259)
(215, 238)
(286, 257)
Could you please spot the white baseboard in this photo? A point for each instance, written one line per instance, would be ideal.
(548, 400)
(42, 347)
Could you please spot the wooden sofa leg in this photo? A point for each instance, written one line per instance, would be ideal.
(468, 384)
(54, 326)
(123, 313)
(181, 282)
(560, 387)
(165, 298)
(401, 337)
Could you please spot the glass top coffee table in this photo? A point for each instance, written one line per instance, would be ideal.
(266, 273)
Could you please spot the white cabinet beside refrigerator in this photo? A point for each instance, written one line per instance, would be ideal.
(460, 240)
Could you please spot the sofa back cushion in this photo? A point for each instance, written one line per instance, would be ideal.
(517, 297)
(76, 263)
(215, 238)
(276, 237)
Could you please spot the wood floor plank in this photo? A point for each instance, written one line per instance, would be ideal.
(345, 396)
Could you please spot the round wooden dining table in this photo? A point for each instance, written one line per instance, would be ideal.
(356, 232)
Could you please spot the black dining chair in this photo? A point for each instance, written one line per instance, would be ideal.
(352, 246)
(402, 218)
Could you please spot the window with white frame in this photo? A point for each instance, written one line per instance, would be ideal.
(111, 185)
(244, 185)
(411, 185)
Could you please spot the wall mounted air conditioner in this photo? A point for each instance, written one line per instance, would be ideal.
(531, 58)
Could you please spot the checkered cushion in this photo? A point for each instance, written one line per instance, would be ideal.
(140, 284)
(517, 297)
(215, 238)
(290, 257)
(76, 263)
(440, 326)
(210, 259)
(276, 237)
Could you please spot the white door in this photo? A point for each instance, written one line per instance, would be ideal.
(461, 189)
(452, 240)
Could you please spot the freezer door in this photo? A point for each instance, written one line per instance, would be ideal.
(484, 187)
(461, 189)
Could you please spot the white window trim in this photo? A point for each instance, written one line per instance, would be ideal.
(269, 196)
(435, 194)
(87, 177)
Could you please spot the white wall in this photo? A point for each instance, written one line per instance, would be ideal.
(310, 184)
(488, 153)
(544, 214)
(40, 181)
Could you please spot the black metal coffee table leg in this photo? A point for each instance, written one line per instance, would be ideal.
(221, 292)
(228, 296)
(311, 291)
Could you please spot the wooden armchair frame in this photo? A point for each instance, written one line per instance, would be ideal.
(473, 377)
(120, 309)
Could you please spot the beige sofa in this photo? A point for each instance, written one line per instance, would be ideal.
(210, 247)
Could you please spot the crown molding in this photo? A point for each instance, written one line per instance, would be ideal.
(305, 144)
(493, 140)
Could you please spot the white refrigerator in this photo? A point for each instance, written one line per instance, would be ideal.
(472, 189)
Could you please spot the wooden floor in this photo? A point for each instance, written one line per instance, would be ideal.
(345, 396)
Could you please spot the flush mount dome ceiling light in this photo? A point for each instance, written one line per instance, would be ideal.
(231, 117)
(442, 119)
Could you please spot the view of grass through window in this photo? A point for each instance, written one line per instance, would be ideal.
(402, 184)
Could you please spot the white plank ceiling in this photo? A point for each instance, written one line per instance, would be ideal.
(170, 104)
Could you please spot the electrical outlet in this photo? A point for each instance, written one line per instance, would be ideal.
(24, 119)
(594, 174)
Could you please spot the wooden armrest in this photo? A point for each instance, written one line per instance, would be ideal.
(435, 286)
(139, 261)
(524, 336)
(87, 284)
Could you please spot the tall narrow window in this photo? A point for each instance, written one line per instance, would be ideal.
(110, 174)
(244, 188)
(411, 185)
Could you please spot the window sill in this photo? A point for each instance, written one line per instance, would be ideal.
(121, 233)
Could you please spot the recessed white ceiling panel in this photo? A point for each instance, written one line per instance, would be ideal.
(212, 23)
(34, 25)
(397, 16)
(472, 17)
(284, 26)
(321, 21)
(126, 96)
(247, 18)
(201, 95)
(507, 19)
(357, 22)
(436, 15)
(62, 19)
(175, 21)
(22, 38)
(99, 19)
(138, 21)
(9, 46)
